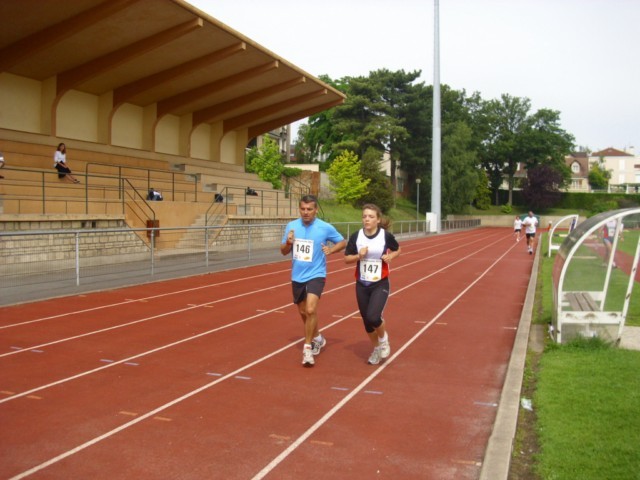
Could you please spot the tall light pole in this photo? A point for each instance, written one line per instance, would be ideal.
(418, 199)
(435, 150)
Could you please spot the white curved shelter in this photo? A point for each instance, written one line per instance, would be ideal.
(593, 276)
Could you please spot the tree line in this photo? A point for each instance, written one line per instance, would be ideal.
(483, 143)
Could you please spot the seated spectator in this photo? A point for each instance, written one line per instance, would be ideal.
(1, 162)
(60, 159)
(251, 191)
(218, 198)
(154, 195)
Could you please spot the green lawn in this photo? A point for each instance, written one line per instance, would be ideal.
(586, 400)
(587, 394)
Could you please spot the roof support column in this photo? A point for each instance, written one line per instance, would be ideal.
(186, 126)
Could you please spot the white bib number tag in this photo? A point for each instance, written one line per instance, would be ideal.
(371, 270)
(303, 250)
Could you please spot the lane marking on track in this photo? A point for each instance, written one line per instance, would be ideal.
(373, 392)
(463, 237)
(241, 377)
(472, 463)
(34, 397)
(134, 300)
(7, 392)
(324, 444)
(128, 414)
(221, 379)
(135, 322)
(486, 404)
(149, 352)
(163, 419)
(342, 389)
(214, 374)
(149, 414)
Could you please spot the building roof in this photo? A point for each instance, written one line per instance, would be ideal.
(158, 52)
(581, 160)
(611, 152)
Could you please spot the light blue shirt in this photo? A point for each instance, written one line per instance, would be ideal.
(320, 232)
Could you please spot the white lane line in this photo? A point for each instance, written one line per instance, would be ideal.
(141, 320)
(149, 414)
(113, 363)
(138, 300)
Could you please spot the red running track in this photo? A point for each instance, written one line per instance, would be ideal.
(201, 378)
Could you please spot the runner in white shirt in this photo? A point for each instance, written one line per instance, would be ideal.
(530, 223)
(373, 247)
(517, 227)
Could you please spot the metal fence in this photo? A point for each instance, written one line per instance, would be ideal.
(50, 263)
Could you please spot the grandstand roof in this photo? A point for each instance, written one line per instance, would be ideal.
(163, 52)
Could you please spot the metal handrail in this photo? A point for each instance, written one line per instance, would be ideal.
(136, 198)
(148, 176)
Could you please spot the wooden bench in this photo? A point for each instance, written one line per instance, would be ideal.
(581, 302)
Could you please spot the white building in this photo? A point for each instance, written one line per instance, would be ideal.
(623, 165)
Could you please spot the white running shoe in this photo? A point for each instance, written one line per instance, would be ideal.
(385, 349)
(374, 358)
(317, 346)
(307, 357)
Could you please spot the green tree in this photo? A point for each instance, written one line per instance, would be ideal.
(345, 177)
(502, 147)
(380, 190)
(302, 150)
(482, 198)
(599, 176)
(459, 177)
(511, 136)
(267, 162)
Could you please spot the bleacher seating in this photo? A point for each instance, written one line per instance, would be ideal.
(36, 189)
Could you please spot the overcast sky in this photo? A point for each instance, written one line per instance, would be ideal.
(580, 57)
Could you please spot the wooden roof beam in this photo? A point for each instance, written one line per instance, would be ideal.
(168, 105)
(76, 76)
(256, 130)
(212, 113)
(125, 92)
(249, 118)
(28, 46)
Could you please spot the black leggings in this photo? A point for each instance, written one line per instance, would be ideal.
(371, 302)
